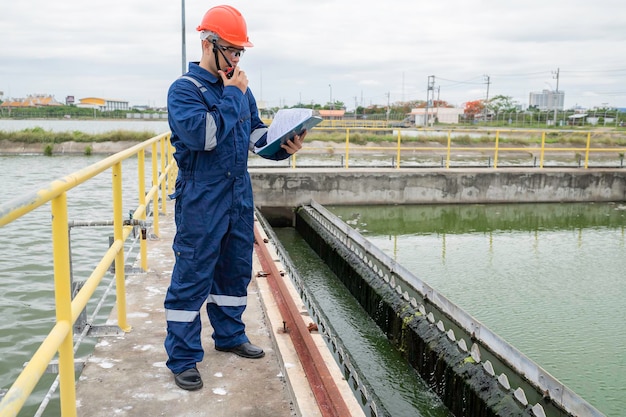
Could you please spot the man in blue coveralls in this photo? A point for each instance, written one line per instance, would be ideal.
(214, 121)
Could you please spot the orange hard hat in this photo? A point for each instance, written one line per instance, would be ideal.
(228, 23)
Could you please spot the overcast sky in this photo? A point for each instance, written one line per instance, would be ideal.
(358, 52)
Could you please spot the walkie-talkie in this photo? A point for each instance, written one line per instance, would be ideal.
(229, 71)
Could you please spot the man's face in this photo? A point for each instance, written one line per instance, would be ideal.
(228, 55)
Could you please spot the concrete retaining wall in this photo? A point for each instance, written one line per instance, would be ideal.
(292, 187)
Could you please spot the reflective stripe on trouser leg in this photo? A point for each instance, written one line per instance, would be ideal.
(183, 343)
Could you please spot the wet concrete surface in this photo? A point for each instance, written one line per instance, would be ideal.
(126, 375)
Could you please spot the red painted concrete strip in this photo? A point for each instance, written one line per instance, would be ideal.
(324, 389)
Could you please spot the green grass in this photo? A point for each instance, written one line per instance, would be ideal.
(40, 135)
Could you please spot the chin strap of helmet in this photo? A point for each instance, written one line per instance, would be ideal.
(228, 70)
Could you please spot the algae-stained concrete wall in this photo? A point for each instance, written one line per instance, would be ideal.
(354, 186)
(463, 385)
(490, 379)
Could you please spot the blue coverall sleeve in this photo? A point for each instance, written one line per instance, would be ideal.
(198, 125)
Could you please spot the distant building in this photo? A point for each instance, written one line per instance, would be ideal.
(448, 115)
(547, 100)
(577, 119)
(332, 114)
(35, 100)
(103, 104)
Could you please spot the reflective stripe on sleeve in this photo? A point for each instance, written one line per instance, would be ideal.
(182, 316)
(255, 136)
(227, 300)
(210, 138)
(196, 82)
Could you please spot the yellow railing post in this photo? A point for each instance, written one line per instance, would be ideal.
(164, 183)
(141, 178)
(495, 154)
(448, 149)
(171, 176)
(118, 232)
(543, 148)
(587, 150)
(174, 171)
(155, 183)
(63, 301)
(347, 147)
(398, 153)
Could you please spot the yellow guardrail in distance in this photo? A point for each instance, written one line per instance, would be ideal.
(526, 141)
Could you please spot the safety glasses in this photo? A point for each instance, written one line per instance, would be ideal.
(234, 52)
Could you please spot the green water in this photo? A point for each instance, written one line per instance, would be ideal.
(400, 389)
(548, 278)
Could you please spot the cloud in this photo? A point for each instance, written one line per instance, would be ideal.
(368, 52)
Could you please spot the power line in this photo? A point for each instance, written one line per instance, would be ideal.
(596, 71)
(461, 82)
(522, 74)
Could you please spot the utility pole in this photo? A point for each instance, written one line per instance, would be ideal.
(485, 110)
(488, 80)
(388, 108)
(556, 94)
(332, 105)
(184, 46)
(437, 108)
(430, 91)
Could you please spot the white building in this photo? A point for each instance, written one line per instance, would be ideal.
(442, 115)
(547, 100)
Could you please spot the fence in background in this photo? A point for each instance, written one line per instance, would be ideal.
(459, 144)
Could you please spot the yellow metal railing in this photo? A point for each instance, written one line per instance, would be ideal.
(60, 338)
(494, 149)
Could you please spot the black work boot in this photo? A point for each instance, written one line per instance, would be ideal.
(245, 350)
(189, 379)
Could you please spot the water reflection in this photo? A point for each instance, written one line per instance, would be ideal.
(460, 219)
(396, 387)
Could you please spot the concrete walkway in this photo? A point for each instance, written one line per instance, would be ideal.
(126, 375)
